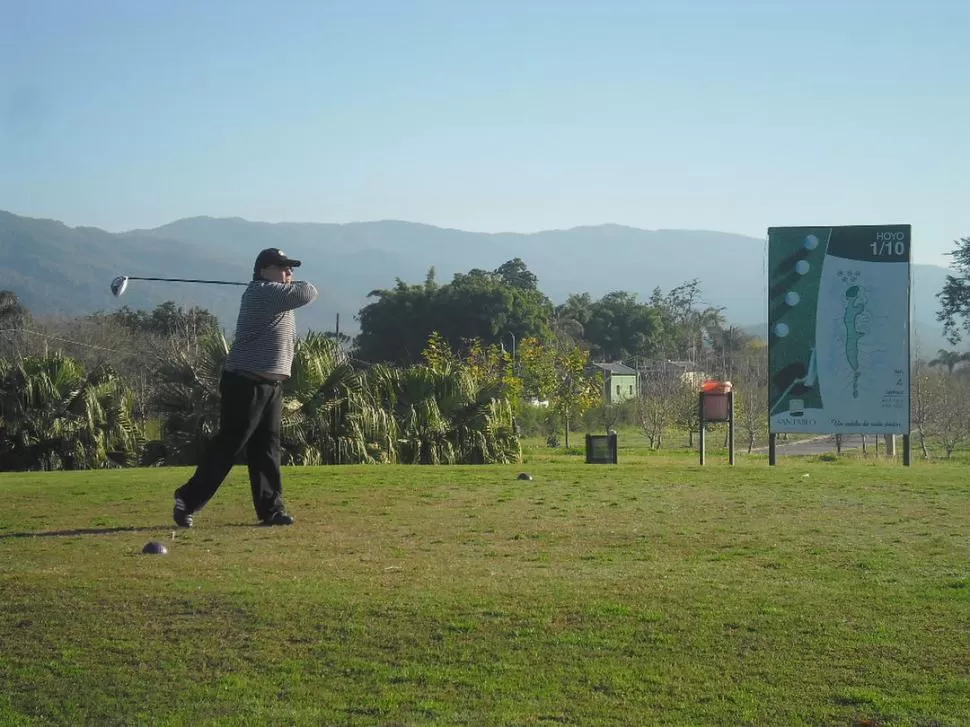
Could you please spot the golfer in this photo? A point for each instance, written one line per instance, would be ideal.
(251, 390)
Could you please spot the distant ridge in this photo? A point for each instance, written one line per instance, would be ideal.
(56, 269)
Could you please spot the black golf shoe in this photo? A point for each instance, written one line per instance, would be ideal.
(181, 516)
(277, 518)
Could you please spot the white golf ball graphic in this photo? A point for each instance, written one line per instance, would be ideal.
(792, 298)
(802, 267)
(811, 242)
(781, 330)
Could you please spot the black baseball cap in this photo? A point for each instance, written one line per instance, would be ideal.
(274, 256)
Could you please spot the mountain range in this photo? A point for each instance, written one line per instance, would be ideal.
(59, 270)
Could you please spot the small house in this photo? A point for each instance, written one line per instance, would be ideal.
(620, 382)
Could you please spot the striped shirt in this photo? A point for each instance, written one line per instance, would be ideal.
(266, 327)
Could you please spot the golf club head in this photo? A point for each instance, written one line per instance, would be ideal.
(155, 548)
(119, 285)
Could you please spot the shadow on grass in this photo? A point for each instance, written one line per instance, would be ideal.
(84, 531)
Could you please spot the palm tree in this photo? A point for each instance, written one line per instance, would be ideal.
(728, 344)
(704, 324)
(329, 415)
(950, 359)
(12, 312)
(53, 415)
(13, 317)
(571, 318)
(422, 396)
(336, 414)
(444, 414)
(187, 397)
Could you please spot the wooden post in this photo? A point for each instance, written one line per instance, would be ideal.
(700, 429)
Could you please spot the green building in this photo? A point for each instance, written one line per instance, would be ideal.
(620, 382)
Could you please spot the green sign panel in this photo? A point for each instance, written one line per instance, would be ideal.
(838, 329)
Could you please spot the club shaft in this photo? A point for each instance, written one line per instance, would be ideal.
(187, 280)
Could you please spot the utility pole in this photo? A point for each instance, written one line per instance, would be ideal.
(512, 335)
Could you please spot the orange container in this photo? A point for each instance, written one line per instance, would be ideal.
(713, 386)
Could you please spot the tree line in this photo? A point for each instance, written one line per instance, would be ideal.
(439, 373)
(505, 305)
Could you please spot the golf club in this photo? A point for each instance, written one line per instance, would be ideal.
(120, 284)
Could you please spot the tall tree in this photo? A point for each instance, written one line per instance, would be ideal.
(620, 327)
(949, 359)
(678, 314)
(656, 406)
(954, 311)
(729, 347)
(13, 318)
(922, 404)
(749, 373)
(514, 273)
(558, 374)
(490, 306)
(12, 312)
(395, 326)
(484, 306)
(948, 423)
(571, 318)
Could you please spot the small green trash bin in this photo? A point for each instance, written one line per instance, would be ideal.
(601, 449)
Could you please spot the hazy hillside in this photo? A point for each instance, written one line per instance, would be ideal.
(58, 270)
(354, 259)
(54, 268)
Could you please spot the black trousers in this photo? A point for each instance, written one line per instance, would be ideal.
(249, 419)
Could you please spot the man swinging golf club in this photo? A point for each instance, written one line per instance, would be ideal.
(250, 387)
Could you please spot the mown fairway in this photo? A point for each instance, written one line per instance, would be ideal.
(654, 593)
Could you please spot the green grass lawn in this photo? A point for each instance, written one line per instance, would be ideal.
(655, 592)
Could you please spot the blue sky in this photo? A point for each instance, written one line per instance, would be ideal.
(731, 115)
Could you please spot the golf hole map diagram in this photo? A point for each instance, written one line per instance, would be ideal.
(838, 329)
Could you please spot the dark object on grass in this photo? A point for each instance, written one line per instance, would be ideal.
(155, 548)
(524, 476)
